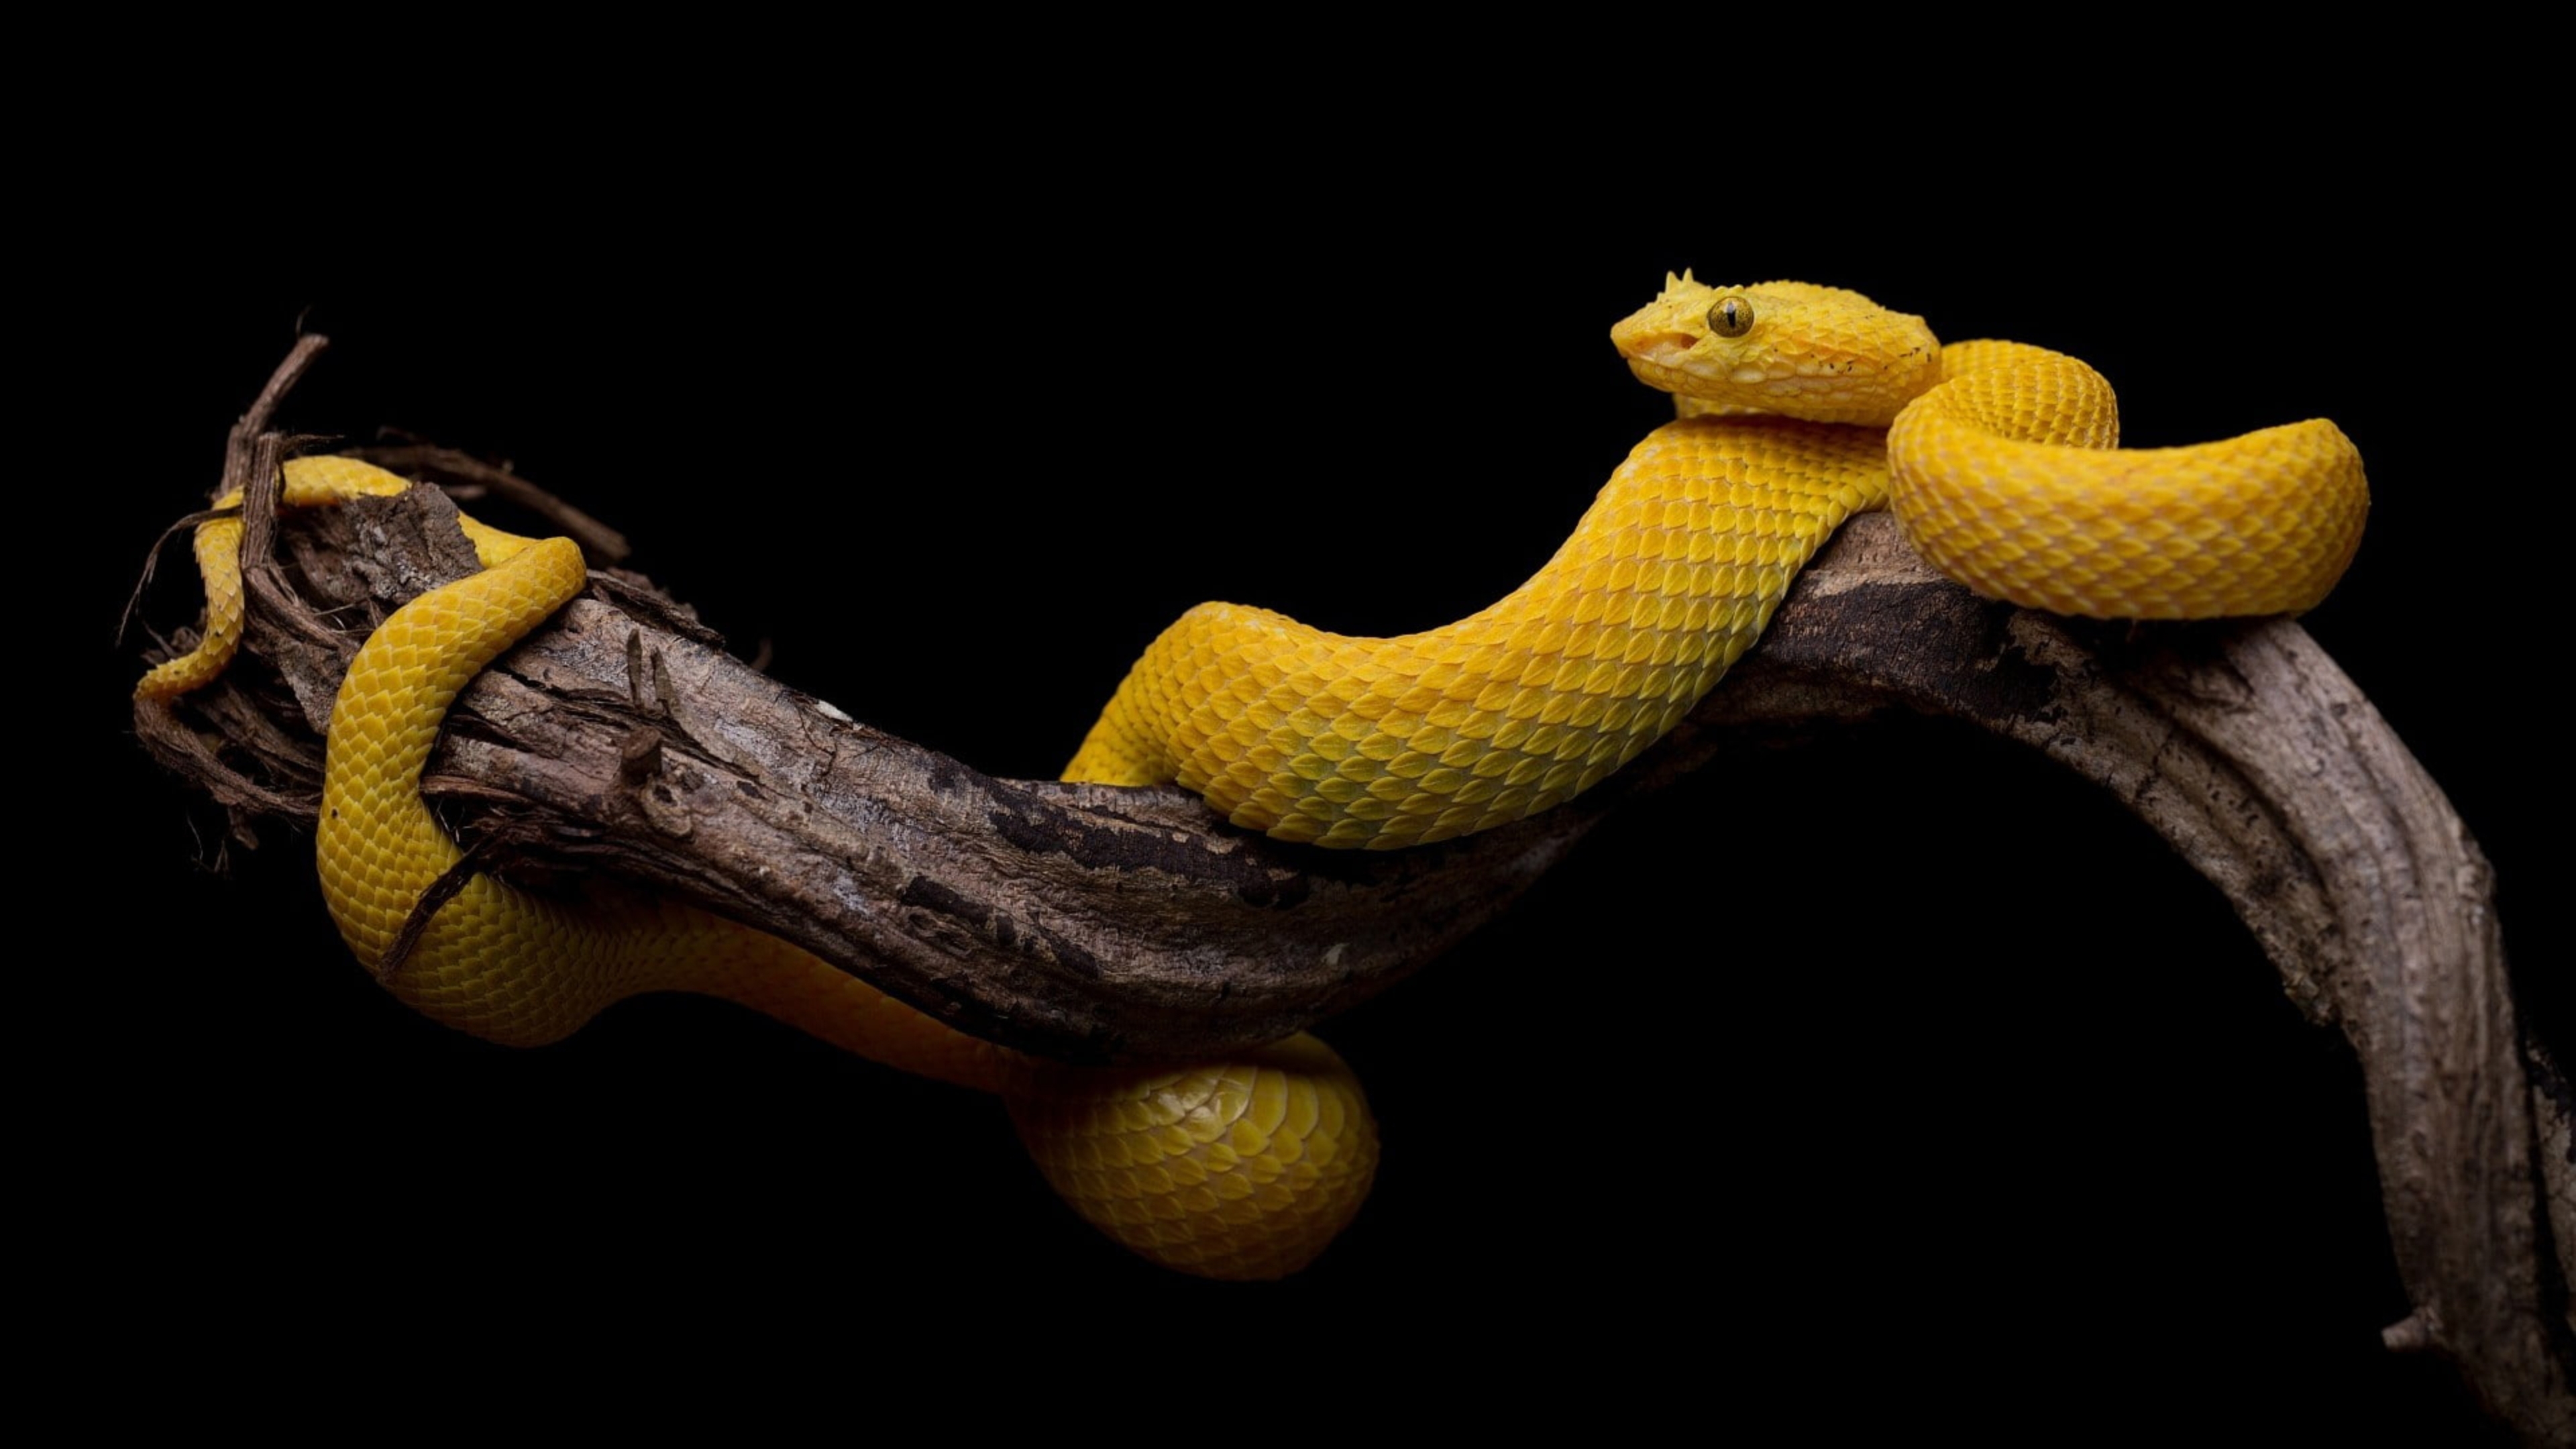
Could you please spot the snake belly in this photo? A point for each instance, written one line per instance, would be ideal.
(1999, 459)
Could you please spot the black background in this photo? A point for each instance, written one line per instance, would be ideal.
(1963, 1096)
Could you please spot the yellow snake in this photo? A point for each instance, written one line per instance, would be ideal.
(1803, 405)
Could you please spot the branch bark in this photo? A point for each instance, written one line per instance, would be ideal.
(1099, 924)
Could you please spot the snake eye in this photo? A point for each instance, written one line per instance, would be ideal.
(1730, 316)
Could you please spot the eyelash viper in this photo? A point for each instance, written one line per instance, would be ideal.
(1801, 405)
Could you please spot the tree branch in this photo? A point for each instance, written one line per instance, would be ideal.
(1099, 924)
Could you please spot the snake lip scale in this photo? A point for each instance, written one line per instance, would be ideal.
(1800, 406)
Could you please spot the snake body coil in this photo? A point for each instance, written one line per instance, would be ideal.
(1804, 405)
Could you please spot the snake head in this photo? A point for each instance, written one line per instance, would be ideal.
(1819, 353)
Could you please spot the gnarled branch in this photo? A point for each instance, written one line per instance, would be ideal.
(1099, 924)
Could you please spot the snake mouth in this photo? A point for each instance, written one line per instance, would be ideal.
(1663, 349)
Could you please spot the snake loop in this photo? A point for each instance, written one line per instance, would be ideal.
(1802, 406)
